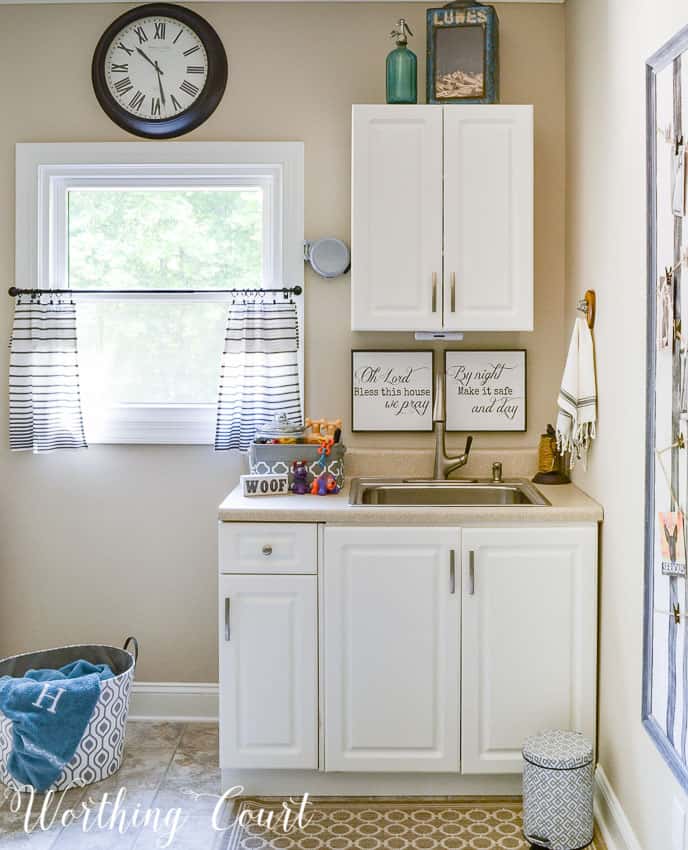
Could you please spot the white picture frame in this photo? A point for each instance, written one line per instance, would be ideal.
(391, 390)
(485, 390)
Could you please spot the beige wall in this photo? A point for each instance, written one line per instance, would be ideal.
(607, 44)
(122, 539)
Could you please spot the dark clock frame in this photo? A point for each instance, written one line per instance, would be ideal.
(207, 101)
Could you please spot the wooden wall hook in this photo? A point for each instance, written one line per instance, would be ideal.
(587, 305)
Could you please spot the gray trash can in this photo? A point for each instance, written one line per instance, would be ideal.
(557, 790)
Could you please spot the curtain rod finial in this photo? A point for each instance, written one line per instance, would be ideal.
(13, 291)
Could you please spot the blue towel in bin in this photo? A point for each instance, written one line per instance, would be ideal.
(49, 710)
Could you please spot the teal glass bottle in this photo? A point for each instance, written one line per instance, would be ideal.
(402, 68)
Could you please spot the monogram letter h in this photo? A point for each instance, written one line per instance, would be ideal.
(53, 699)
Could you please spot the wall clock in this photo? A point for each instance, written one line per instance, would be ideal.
(159, 70)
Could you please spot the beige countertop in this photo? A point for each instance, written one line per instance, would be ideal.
(568, 505)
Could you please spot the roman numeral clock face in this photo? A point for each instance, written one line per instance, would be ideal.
(159, 70)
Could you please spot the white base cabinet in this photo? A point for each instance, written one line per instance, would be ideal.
(390, 649)
(528, 642)
(268, 671)
(402, 651)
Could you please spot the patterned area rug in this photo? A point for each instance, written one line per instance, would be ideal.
(344, 823)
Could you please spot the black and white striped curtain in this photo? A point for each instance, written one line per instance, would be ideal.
(259, 377)
(45, 404)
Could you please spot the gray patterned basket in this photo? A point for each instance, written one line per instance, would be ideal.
(100, 750)
(277, 459)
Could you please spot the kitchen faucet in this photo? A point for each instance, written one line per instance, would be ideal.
(444, 464)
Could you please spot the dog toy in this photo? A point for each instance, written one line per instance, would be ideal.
(324, 485)
(326, 444)
(316, 429)
(300, 472)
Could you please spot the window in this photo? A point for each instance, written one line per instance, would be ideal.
(157, 216)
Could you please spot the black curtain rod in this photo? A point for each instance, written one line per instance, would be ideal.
(284, 290)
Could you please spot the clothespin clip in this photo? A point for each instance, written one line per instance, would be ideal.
(677, 614)
(680, 441)
(677, 329)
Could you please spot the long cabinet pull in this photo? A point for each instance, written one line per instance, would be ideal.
(452, 571)
(227, 631)
(434, 292)
(471, 573)
(452, 293)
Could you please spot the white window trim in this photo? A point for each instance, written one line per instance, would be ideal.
(44, 174)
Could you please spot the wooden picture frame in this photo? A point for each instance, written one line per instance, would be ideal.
(494, 380)
(391, 390)
(665, 651)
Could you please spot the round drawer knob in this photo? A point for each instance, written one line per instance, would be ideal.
(267, 550)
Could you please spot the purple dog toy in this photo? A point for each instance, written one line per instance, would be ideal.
(300, 484)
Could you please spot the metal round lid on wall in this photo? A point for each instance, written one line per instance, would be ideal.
(159, 70)
(328, 257)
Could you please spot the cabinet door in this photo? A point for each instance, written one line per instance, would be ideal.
(529, 635)
(390, 641)
(268, 671)
(488, 218)
(396, 218)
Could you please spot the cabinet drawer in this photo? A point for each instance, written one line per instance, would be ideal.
(275, 547)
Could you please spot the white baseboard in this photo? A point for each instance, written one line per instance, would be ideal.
(611, 818)
(179, 701)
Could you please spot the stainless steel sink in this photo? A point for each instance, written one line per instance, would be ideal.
(409, 492)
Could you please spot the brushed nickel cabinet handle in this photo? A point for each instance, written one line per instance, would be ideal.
(227, 631)
(452, 571)
(267, 550)
(471, 573)
(434, 292)
(452, 295)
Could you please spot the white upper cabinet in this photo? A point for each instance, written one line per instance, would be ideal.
(488, 218)
(529, 632)
(397, 218)
(390, 649)
(442, 218)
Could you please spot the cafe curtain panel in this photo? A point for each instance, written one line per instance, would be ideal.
(44, 399)
(259, 376)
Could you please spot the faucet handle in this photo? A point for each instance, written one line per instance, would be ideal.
(469, 443)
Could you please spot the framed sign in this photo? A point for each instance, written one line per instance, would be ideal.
(486, 390)
(391, 391)
(462, 60)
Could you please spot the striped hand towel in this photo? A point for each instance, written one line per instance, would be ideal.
(577, 400)
(45, 404)
(259, 377)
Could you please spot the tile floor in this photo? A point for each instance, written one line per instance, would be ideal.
(163, 761)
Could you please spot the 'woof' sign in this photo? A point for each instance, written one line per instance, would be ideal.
(265, 485)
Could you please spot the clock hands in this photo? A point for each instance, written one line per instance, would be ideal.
(162, 93)
(158, 71)
(150, 61)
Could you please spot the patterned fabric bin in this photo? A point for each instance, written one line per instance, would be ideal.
(100, 750)
(557, 790)
(277, 459)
